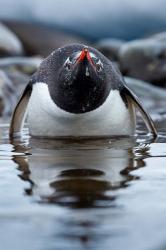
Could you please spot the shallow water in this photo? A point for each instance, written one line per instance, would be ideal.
(100, 194)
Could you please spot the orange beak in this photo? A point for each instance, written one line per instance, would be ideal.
(84, 55)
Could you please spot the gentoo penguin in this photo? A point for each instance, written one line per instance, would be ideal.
(78, 92)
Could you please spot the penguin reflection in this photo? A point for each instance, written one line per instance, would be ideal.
(78, 178)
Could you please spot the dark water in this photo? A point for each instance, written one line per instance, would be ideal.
(100, 194)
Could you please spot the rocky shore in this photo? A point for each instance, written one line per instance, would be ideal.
(144, 59)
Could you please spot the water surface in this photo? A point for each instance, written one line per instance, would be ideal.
(100, 194)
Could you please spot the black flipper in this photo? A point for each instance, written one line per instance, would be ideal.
(129, 95)
(19, 113)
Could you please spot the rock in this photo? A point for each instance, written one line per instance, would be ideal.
(159, 36)
(152, 97)
(144, 59)
(14, 75)
(26, 65)
(145, 90)
(10, 45)
(110, 47)
(42, 40)
(11, 86)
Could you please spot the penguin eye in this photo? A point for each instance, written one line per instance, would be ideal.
(68, 64)
(99, 66)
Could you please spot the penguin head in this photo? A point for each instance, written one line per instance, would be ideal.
(78, 78)
(82, 68)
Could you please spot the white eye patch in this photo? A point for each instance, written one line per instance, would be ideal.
(93, 55)
(68, 61)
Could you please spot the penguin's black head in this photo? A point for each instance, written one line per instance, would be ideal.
(83, 68)
(78, 77)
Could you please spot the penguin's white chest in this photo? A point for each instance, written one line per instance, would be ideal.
(46, 119)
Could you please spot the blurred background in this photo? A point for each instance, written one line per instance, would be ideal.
(130, 33)
(95, 19)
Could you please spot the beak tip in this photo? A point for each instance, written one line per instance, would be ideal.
(84, 54)
(85, 49)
